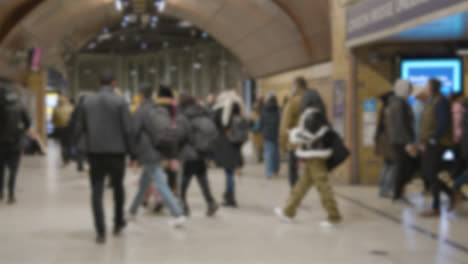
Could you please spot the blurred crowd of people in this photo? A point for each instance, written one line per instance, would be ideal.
(172, 138)
(423, 133)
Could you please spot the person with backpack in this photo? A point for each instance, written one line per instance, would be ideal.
(233, 130)
(14, 122)
(105, 123)
(269, 126)
(289, 120)
(201, 141)
(313, 138)
(165, 99)
(156, 138)
(61, 119)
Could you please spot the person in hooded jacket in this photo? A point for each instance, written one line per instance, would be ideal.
(401, 123)
(195, 163)
(166, 99)
(152, 158)
(227, 154)
(313, 145)
(14, 123)
(269, 126)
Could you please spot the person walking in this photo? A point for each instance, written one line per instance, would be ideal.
(14, 123)
(289, 121)
(233, 133)
(401, 134)
(269, 125)
(61, 118)
(165, 98)
(383, 147)
(77, 144)
(312, 136)
(436, 136)
(258, 141)
(151, 156)
(105, 123)
(201, 142)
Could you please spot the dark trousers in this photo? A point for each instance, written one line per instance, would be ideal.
(197, 169)
(293, 168)
(10, 160)
(431, 166)
(100, 167)
(403, 170)
(64, 140)
(172, 180)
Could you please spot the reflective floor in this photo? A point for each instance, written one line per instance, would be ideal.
(52, 224)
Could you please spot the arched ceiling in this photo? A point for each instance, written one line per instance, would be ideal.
(268, 36)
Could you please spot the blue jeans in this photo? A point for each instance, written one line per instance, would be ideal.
(460, 181)
(386, 178)
(293, 174)
(230, 181)
(154, 172)
(272, 158)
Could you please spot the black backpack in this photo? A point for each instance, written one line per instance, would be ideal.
(203, 133)
(239, 130)
(164, 132)
(11, 119)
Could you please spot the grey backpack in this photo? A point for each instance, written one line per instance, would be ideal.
(239, 130)
(161, 128)
(203, 133)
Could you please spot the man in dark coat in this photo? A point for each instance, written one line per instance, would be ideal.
(106, 125)
(269, 125)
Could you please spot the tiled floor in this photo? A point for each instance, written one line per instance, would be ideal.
(52, 224)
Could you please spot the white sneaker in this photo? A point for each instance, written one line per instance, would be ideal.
(177, 222)
(328, 224)
(279, 212)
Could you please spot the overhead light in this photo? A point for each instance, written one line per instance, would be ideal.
(92, 45)
(185, 24)
(160, 5)
(118, 5)
(197, 65)
(462, 52)
(104, 37)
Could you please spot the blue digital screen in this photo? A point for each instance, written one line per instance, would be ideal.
(448, 71)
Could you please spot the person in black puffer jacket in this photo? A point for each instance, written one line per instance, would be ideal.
(269, 125)
(194, 164)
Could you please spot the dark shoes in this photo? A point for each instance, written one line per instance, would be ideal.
(230, 200)
(158, 208)
(186, 209)
(212, 209)
(118, 228)
(11, 201)
(101, 239)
